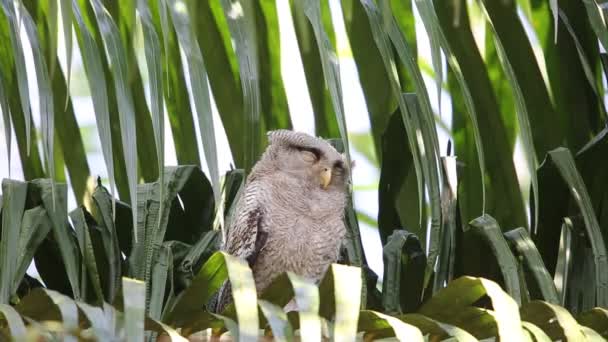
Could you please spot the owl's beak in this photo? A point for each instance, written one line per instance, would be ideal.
(325, 177)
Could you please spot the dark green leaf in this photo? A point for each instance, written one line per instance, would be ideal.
(521, 241)
(13, 205)
(58, 213)
(487, 132)
(34, 228)
(487, 227)
(116, 57)
(87, 252)
(43, 304)
(404, 265)
(596, 319)
(200, 88)
(394, 170)
(208, 280)
(453, 303)
(563, 160)
(554, 320)
(449, 208)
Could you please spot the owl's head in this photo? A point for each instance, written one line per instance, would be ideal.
(309, 158)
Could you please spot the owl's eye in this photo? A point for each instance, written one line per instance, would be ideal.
(338, 167)
(308, 156)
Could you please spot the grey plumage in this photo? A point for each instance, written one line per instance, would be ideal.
(289, 216)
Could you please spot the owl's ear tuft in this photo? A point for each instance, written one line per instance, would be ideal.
(274, 136)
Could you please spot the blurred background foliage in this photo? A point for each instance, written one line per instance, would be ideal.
(479, 207)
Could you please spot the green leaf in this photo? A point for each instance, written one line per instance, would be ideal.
(374, 79)
(432, 327)
(394, 170)
(593, 169)
(68, 133)
(410, 120)
(373, 320)
(6, 117)
(98, 321)
(116, 57)
(43, 304)
(185, 184)
(134, 296)
(563, 160)
(537, 333)
(200, 88)
(273, 99)
(240, 16)
(521, 242)
(487, 132)
(61, 230)
(66, 19)
(81, 220)
(592, 335)
(108, 231)
(19, 58)
(344, 295)
(162, 270)
(213, 36)
(596, 319)
(330, 67)
(554, 320)
(596, 22)
(568, 82)
(487, 227)
(326, 124)
(244, 295)
(176, 97)
(208, 280)
(35, 226)
(518, 73)
(47, 115)
(277, 319)
(15, 323)
(404, 265)
(91, 59)
(13, 205)
(449, 208)
(307, 301)
(153, 62)
(455, 301)
(429, 155)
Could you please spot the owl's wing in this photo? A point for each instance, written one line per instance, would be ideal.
(246, 236)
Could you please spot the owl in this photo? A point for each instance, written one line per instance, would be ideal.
(290, 215)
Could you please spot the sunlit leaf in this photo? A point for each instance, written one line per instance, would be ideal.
(13, 320)
(134, 296)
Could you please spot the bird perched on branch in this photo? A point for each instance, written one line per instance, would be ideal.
(290, 215)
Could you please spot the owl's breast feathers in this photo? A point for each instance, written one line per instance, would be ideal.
(281, 225)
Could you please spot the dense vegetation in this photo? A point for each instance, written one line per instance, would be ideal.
(472, 248)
